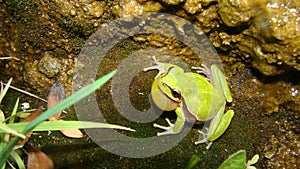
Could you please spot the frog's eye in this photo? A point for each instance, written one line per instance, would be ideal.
(176, 93)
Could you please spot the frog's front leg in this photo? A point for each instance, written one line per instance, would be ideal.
(173, 128)
(161, 67)
(217, 126)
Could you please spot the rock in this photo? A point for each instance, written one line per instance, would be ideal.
(263, 33)
(236, 12)
(173, 2)
(49, 65)
(34, 78)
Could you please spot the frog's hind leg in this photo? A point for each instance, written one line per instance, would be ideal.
(220, 82)
(217, 126)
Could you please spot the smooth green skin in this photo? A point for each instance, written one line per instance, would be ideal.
(193, 98)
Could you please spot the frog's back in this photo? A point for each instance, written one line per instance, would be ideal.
(201, 98)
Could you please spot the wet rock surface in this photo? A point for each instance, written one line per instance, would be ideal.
(49, 66)
(42, 40)
(283, 149)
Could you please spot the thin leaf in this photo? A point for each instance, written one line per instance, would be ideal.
(27, 93)
(14, 112)
(2, 117)
(253, 160)
(85, 91)
(251, 167)
(18, 160)
(33, 115)
(25, 113)
(12, 118)
(3, 92)
(64, 125)
(9, 130)
(235, 161)
(193, 162)
(2, 145)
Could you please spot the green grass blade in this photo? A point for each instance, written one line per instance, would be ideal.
(193, 162)
(18, 160)
(6, 129)
(59, 107)
(3, 92)
(4, 166)
(87, 90)
(12, 118)
(2, 145)
(14, 112)
(64, 125)
(2, 117)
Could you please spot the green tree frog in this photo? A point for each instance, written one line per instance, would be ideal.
(193, 97)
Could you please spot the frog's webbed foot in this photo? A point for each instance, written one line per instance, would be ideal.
(204, 139)
(169, 129)
(203, 69)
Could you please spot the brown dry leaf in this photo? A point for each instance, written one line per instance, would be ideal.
(39, 160)
(56, 95)
(72, 133)
(31, 117)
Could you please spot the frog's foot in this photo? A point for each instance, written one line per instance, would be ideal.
(204, 139)
(169, 129)
(203, 69)
(153, 67)
(158, 65)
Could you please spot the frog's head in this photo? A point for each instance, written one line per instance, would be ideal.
(163, 94)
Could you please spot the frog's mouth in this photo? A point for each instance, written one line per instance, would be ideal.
(163, 101)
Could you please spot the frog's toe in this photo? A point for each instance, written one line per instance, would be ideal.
(168, 129)
(204, 138)
(201, 141)
(168, 132)
(161, 127)
(209, 143)
(203, 69)
(171, 125)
